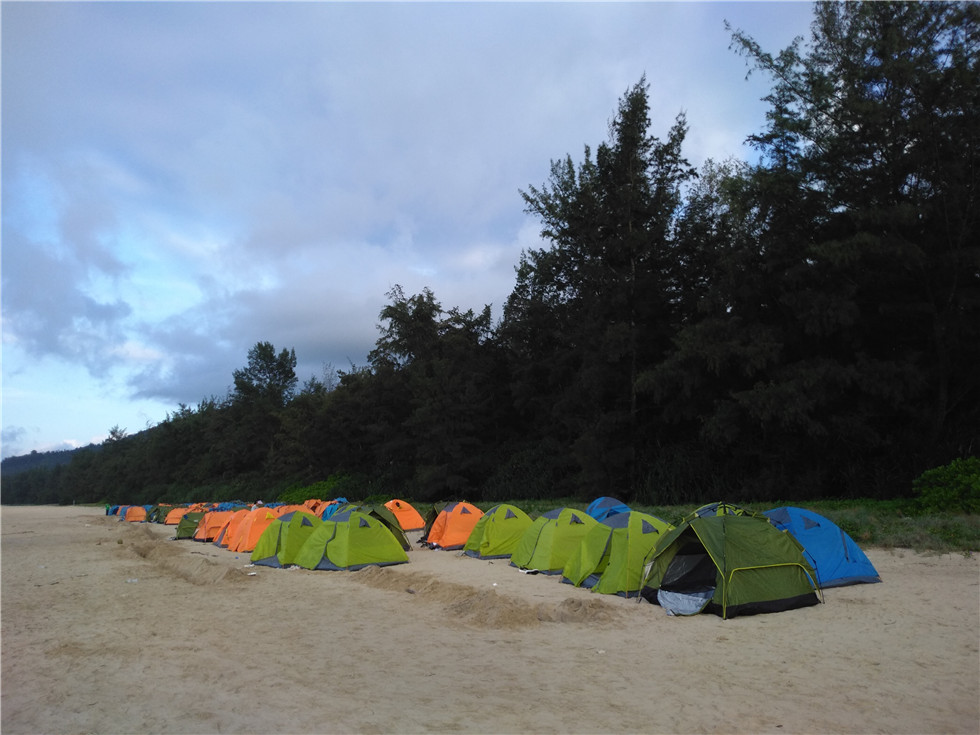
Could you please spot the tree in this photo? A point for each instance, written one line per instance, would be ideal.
(589, 312)
(408, 327)
(435, 380)
(453, 392)
(267, 377)
(887, 109)
(853, 331)
(116, 434)
(254, 415)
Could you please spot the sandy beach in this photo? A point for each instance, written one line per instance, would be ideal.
(113, 627)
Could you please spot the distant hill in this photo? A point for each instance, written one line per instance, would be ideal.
(34, 460)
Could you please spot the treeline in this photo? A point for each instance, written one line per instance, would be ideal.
(806, 326)
(35, 460)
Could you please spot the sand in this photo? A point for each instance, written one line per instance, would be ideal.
(112, 627)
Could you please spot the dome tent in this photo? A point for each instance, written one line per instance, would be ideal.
(551, 539)
(332, 507)
(497, 533)
(187, 525)
(136, 513)
(409, 518)
(378, 512)
(212, 523)
(251, 528)
(283, 538)
(452, 526)
(837, 560)
(230, 528)
(720, 509)
(729, 565)
(350, 542)
(158, 513)
(602, 508)
(612, 553)
(174, 516)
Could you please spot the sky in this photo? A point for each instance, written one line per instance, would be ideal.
(183, 180)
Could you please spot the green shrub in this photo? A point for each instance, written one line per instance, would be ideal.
(952, 488)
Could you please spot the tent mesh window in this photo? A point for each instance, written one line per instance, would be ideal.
(690, 570)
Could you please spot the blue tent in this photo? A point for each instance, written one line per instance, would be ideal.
(333, 508)
(230, 505)
(837, 560)
(602, 508)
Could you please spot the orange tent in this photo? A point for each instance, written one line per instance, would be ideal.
(409, 518)
(453, 525)
(281, 510)
(136, 513)
(319, 506)
(230, 527)
(174, 516)
(211, 523)
(251, 528)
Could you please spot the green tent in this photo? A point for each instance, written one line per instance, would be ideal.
(158, 513)
(383, 514)
(282, 540)
(187, 524)
(357, 540)
(611, 557)
(720, 509)
(497, 533)
(729, 565)
(551, 539)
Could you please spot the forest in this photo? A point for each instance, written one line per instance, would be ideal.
(805, 326)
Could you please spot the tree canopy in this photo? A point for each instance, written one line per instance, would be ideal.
(267, 377)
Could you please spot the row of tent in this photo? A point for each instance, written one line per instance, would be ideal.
(349, 536)
(237, 525)
(720, 558)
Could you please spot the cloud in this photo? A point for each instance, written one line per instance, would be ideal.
(12, 434)
(183, 180)
(48, 308)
